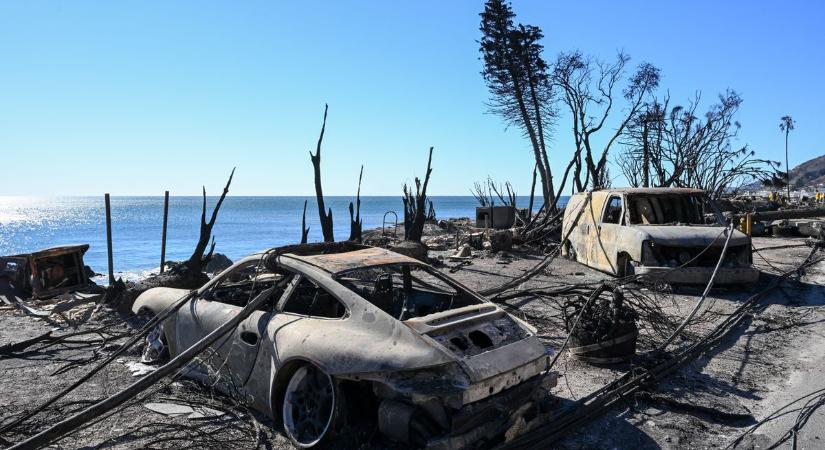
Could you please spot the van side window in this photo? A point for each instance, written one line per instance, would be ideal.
(310, 300)
(613, 211)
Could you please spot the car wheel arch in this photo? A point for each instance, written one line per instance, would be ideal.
(280, 380)
(622, 259)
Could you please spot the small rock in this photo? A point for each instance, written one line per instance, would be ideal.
(464, 252)
(500, 240)
(412, 249)
(446, 225)
(218, 263)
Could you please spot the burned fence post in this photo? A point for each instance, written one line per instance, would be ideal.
(165, 222)
(109, 240)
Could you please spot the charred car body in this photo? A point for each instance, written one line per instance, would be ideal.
(362, 331)
(660, 232)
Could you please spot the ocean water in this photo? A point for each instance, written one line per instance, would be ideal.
(244, 225)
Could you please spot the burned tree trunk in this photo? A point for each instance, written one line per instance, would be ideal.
(186, 275)
(323, 215)
(198, 260)
(415, 212)
(355, 216)
(532, 193)
(304, 228)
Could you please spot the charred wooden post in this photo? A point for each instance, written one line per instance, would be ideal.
(326, 217)
(165, 222)
(304, 227)
(109, 240)
(415, 205)
(355, 216)
(198, 260)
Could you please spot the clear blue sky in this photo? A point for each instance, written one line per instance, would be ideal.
(136, 97)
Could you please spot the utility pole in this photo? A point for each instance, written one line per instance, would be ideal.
(787, 125)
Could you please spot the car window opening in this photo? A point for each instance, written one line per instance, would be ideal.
(406, 291)
(307, 299)
(613, 211)
(245, 283)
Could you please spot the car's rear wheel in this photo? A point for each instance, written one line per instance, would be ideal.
(310, 407)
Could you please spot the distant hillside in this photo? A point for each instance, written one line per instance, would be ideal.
(811, 173)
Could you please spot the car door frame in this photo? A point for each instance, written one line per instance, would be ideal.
(238, 356)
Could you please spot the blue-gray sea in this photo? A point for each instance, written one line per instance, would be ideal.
(244, 224)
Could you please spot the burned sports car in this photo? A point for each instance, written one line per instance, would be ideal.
(660, 232)
(355, 333)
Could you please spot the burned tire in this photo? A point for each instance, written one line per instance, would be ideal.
(624, 266)
(310, 407)
(568, 251)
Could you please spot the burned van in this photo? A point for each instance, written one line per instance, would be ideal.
(661, 232)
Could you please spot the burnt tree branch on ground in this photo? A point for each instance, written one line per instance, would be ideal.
(355, 213)
(415, 205)
(324, 215)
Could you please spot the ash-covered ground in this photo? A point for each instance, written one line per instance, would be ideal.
(775, 356)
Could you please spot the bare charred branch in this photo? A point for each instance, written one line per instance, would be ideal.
(355, 216)
(673, 147)
(198, 259)
(589, 87)
(415, 205)
(304, 227)
(324, 215)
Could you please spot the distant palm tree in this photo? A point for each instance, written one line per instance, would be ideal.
(786, 125)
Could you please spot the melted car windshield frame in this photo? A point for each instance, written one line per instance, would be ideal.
(409, 309)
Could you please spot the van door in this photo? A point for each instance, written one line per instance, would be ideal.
(604, 245)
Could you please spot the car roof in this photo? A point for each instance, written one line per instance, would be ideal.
(340, 262)
(648, 190)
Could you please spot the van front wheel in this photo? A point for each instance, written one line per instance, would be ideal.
(624, 266)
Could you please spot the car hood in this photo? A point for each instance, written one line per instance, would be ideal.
(690, 235)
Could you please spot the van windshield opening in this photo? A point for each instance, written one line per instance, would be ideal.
(666, 209)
